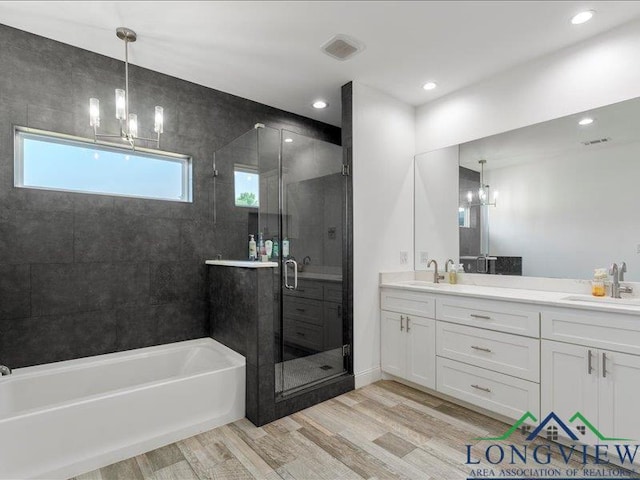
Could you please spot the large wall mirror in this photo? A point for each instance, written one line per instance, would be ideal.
(555, 199)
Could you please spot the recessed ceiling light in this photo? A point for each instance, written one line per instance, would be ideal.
(430, 85)
(288, 140)
(320, 104)
(585, 121)
(582, 17)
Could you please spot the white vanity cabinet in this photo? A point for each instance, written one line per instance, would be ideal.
(408, 339)
(488, 353)
(509, 357)
(601, 383)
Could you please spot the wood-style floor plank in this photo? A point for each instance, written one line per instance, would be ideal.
(382, 431)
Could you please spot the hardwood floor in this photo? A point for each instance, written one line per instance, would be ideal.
(382, 431)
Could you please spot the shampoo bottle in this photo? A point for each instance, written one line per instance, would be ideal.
(261, 247)
(268, 245)
(252, 248)
(276, 247)
(285, 247)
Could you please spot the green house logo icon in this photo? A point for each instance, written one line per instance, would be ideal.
(552, 426)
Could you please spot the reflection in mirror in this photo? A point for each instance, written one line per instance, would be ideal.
(568, 196)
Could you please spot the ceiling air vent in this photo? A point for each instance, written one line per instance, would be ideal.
(342, 47)
(597, 141)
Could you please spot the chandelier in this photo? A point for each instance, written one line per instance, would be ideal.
(484, 192)
(128, 120)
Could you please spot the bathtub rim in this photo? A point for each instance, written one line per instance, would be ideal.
(237, 361)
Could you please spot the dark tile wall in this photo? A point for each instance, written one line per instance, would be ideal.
(469, 180)
(88, 274)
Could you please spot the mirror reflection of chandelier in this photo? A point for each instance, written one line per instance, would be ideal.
(483, 197)
(128, 120)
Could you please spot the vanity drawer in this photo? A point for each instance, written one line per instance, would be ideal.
(493, 391)
(333, 292)
(303, 309)
(612, 331)
(303, 334)
(306, 289)
(507, 317)
(403, 301)
(501, 352)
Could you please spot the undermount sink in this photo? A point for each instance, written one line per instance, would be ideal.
(607, 300)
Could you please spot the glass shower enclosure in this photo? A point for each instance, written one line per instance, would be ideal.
(290, 192)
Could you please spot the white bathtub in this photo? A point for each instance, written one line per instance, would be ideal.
(66, 418)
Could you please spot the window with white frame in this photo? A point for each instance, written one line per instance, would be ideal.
(50, 161)
(246, 186)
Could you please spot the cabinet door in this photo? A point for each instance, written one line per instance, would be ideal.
(421, 350)
(567, 385)
(393, 343)
(332, 322)
(618, 394)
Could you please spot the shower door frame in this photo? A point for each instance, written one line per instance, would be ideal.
(347, 284)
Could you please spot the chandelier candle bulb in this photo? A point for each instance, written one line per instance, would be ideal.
(133, 125)
(159, 120)
(120, 104)
(94, 112)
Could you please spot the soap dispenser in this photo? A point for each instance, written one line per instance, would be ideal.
(598, 288)
(252, 248)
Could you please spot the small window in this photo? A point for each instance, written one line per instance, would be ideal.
(247, 186)
(51, 161)
(464, 217)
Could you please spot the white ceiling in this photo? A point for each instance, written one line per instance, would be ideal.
(270, 51)
(556, 139)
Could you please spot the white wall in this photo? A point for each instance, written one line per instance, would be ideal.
(383, 148)
(593, 191)
(436, 207)
(600, 71)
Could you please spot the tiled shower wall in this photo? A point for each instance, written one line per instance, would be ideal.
(84, 274)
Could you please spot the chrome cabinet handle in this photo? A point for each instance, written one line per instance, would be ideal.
(484, 389)
(483, 317)
(483, 349)
(401, 324)
(408, 326)
(589, 362)
(604, 365)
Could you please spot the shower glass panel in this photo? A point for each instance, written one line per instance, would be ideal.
(313, 205)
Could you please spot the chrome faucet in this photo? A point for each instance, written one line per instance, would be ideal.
(618, 274)
(436, 277)
(446, 265)
(4, 370)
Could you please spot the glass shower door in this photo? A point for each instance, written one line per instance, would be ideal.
(313, 204)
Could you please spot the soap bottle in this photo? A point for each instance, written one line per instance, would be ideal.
(285, 247)
(598, 288)
(268, 245)
(252, 248)
(453, 275)
(276, 247)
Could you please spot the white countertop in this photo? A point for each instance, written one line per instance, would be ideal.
(557, 299)
(242, 263)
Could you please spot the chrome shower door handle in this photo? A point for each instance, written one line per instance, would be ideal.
(286, 274)
(295, 274)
